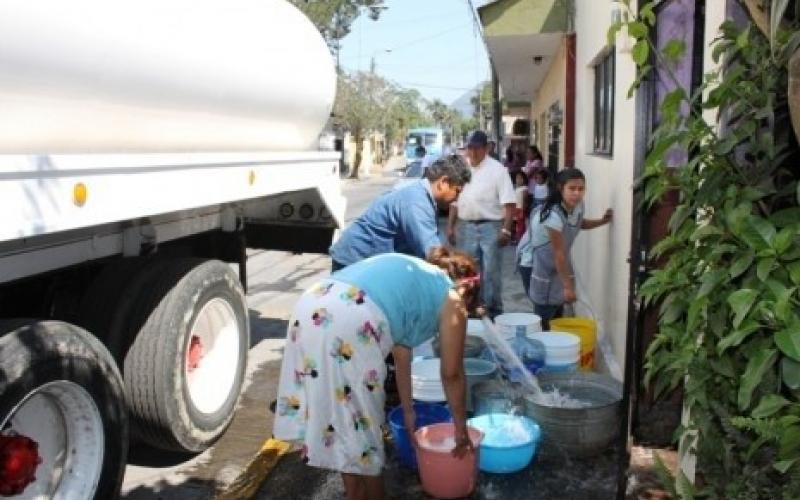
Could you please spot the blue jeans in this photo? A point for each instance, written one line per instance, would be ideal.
(480, 241)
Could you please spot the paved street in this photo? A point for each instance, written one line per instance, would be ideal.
(276, 281)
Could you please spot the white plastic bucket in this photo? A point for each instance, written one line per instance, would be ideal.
(511, 323)
(562, 350)
(475, 328)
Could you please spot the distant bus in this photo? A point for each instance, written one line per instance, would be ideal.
(431, 138)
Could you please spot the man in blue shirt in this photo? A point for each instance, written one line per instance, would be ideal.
(403, 220)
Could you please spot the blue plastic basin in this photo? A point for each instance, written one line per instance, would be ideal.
(427, 414)
(569, 367)
(509, 442)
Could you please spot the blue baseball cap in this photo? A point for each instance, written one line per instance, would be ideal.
(478, 139)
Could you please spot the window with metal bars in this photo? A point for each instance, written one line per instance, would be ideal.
(604, 104)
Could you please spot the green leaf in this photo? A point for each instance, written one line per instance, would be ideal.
(741, 301)
(674, 50)
(719, 49)
(684, 487)
(737, 337)
(769, 405)
(647, 14)
(613, 30)
(784, 465)
(757, 366)
(784, 310)
(790, 373)
(709, 282)
(741, 264)
(785, 217)
(758, 233)
(777, 10)
(704, 231)
(764, 268)
(790, 443)
(794, 272)
(783, 240)
(788, 341)
(640, 52)
(743, 39)
(637, 30)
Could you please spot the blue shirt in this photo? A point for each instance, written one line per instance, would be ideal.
(409, 291)
(403, 220)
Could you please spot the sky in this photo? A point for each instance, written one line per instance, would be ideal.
(434, 46)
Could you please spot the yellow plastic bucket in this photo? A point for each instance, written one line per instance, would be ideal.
(584, 328)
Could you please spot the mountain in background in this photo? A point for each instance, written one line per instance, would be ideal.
(464, 104)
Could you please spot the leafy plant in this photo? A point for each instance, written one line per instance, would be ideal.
(728, 283)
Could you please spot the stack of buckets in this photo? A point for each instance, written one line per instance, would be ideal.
(563, 353)
(584, 328)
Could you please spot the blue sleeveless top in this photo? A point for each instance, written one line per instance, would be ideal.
(409, 291)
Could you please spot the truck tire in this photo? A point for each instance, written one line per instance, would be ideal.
(185, 366)
(106, 305)
(62, 413)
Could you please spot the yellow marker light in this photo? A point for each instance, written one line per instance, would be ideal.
(79, 194)
(252, 177)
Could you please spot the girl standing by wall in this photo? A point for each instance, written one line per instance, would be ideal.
(543, 253)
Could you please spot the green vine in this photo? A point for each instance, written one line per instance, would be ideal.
(728, 277)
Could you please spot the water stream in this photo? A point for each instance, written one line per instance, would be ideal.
(508, 361)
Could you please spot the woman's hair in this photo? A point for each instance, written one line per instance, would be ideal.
(536, 153)
(452, 167)
(510, 154)
(459, 265)
(554, 198)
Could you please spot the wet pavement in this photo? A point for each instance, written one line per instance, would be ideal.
(551, 474)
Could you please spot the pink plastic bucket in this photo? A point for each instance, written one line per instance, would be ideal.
(442, 475)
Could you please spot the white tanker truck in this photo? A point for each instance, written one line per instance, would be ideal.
(144, 146)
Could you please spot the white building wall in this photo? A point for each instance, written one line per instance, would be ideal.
(600, 256)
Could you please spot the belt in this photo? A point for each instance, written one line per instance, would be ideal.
(480, 221)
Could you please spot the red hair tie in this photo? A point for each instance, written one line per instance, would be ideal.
(471, 280)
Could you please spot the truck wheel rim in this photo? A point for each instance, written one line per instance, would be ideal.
(63, 421)
(212, 356)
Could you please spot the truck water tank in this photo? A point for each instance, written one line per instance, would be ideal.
(81, 76)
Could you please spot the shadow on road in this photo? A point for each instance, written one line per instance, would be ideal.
(191, 489)
(262, 328)
(146, 456)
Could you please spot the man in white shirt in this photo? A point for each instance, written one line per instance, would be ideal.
(481, 221)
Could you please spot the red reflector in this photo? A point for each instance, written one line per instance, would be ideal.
(19, 458)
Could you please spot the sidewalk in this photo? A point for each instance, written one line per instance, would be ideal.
(551, 475)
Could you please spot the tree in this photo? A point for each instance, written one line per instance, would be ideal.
(482, 104)
(361, 104)
(727, 276)
(333, 18)
(405, 112)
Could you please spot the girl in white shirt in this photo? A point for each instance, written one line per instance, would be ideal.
(539, 189)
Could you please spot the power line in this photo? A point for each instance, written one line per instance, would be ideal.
(419, 40)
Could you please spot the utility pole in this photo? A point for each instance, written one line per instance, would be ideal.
(496, 109)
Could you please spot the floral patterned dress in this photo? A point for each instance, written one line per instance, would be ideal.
(330, 396)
